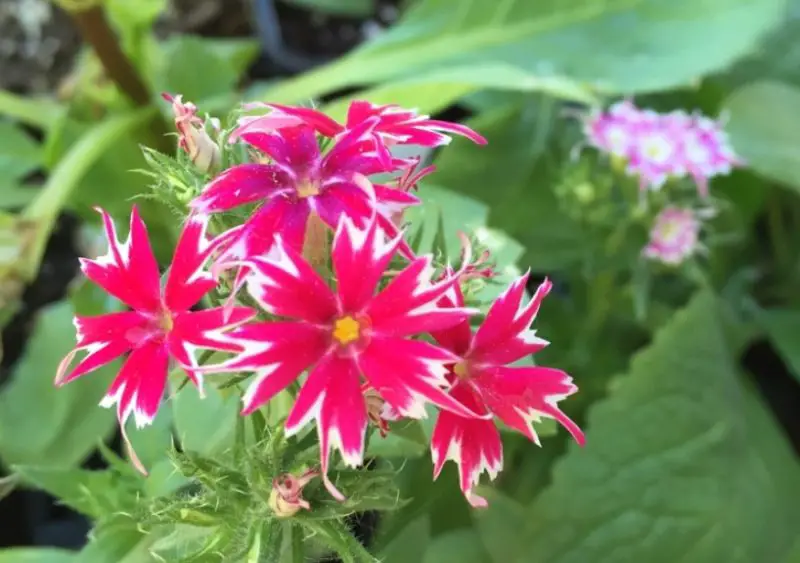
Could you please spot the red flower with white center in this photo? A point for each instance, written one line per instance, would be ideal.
(160, 325)
(298, 181)
(484, 383)
(347, 338)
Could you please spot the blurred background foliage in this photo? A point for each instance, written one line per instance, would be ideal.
(689, 377)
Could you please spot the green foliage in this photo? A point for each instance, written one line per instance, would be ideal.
(681, 462)
(44, 426)
(765, 129)
(40, 555)
(544, 45)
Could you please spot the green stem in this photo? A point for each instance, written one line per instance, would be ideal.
(44, 210)
(298, 547)
(96, 31)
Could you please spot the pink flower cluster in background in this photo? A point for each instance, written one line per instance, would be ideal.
(657, 147)
(357, 339)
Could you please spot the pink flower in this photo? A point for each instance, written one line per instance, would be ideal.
(394, 125)
(674, 236)
(657, 147)
(399, 126)
(298, 181)
(347, 338)
(485, 383)
(160, 325)
(193, 138)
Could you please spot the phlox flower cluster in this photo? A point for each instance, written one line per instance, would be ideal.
(657, 147)
(364, 342)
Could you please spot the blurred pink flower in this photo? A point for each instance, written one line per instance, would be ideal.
(674, 236)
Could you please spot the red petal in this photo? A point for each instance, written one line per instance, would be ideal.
(521, 395)
(104, 338)
(409, 303)
(323, 124)
(474, 444)
(241, 184)
(360, 258)
(407, 373)
(504, 335)
(287, 286)
(139, 386)
(277, 352)
(332, 395)
(128, 271)
(293, 149)
(187, 282)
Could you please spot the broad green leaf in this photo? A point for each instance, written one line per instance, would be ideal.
(19, 154)
(777, 57)
(93, 493)
(37, 555)
(205, 426)
(410, 544)
(45, 425)
(512, 176)
(783, 328)
(619, 46)
(352, 8)
(682, 463)
(764, 127)
(498, 526)
(462, 545)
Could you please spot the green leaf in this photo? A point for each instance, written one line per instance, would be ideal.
(351, 8)
(19, 154)
(41, 424)
(512, 175)
(619, 46)
(764, 127)
(222, 63)
(498, 526)
(458, 213)
(117, 540)
(681, 463)
(37, 555)
(205, 426)
(461, 545)
(783, 328)
(14, 195)
(68, 174)
(93, 493)
(336, 535)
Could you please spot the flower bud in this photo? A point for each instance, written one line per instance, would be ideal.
(286, 498)
(193, 137)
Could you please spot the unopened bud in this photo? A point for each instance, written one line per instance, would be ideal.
(193, 137)
(286, 498)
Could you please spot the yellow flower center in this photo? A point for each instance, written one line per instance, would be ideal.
(461, 371)
(346, 330)
(165, 321)
(307, 188)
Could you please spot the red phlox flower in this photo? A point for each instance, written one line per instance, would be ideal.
(298, 180)
(346, 338)
(160, 325)
(484, 383)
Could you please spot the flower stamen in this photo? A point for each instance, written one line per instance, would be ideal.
(346, 330)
